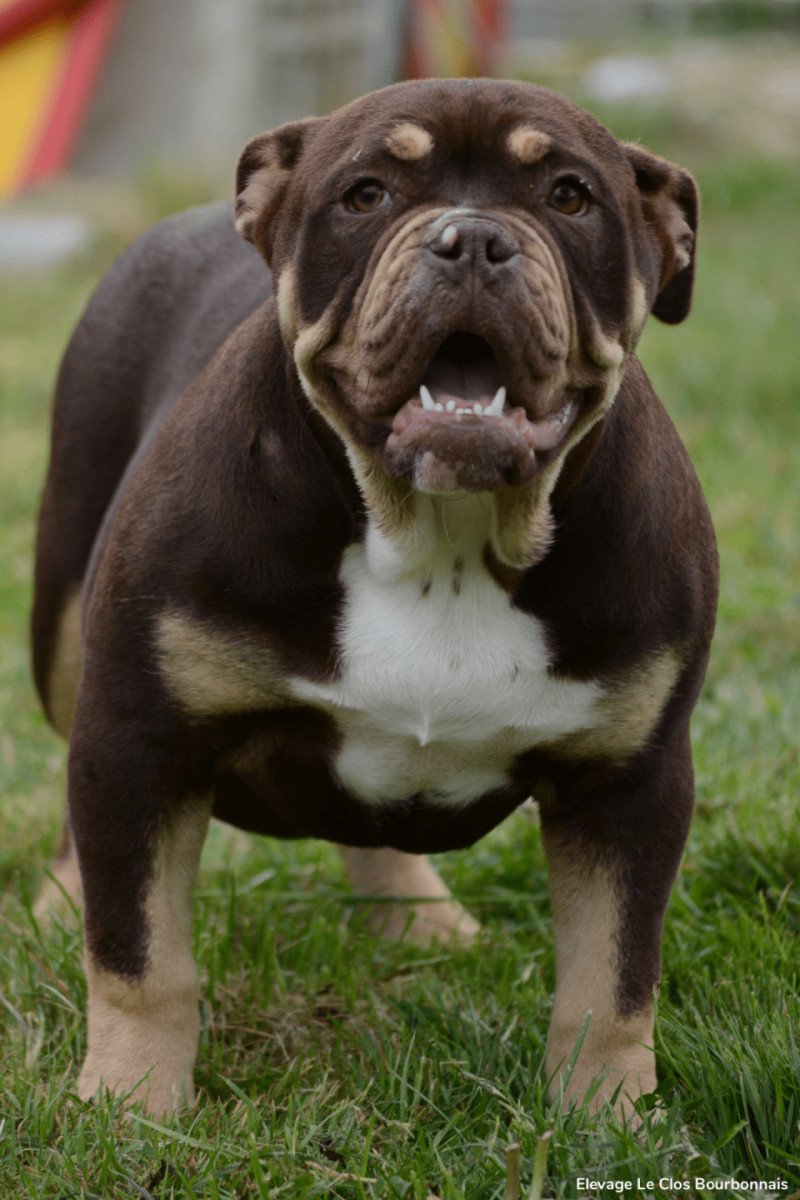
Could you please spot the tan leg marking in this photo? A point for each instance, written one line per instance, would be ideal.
(152, 1025)
(409, 141)
(629, 711)
(392, 873)
(62, 689)
(58, 895)
(585, 925)
(528, 143)
(210, 671)
(65, 671)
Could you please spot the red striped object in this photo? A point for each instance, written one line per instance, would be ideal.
(454, 37)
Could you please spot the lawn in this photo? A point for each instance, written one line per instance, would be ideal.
(333, 1065)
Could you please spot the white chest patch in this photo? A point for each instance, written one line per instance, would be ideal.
(444, 682)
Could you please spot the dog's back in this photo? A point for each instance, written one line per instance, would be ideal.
(132, 355)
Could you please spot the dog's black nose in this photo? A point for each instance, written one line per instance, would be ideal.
(474, 239)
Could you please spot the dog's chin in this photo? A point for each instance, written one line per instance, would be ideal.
(472, 447)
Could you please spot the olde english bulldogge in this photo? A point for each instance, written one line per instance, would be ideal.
(376, 547)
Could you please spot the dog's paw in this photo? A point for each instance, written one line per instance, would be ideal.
(164, 1089)
(404, 897)
(605, 1060)
(143, 1036)
(60, 897)
(61, 894)
(423, 923)
(619, 1086)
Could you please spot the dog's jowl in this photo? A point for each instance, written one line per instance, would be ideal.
(376, 543)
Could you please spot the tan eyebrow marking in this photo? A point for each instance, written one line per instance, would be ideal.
(409, 141)
(529, 143)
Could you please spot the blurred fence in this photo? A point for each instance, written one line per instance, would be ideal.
(188, 81)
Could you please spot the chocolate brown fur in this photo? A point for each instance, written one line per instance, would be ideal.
(234, 478)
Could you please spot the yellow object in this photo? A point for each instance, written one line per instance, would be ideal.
(30, 67)
(50, 54)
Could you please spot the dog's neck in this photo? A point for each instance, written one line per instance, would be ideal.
(449, 532)
(514, 525)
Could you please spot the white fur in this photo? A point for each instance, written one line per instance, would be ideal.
(439, 691)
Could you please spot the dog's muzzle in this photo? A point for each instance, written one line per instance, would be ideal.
(462, 336)
(467, 425)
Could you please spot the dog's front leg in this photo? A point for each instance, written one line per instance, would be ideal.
(612, 859)
(139, 849)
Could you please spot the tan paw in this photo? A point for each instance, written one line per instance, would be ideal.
(162, 1090)
(60, 898)
(143, 1034)
(602, 1071)
(423, 923)
(409, 900)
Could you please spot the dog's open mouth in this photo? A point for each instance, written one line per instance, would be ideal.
(464, 379)
(462, 429)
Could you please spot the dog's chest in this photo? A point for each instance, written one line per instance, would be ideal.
(443, 681)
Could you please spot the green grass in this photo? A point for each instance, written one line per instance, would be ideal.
(334, 1065)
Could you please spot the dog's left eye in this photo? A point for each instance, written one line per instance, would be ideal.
(570, 195)
(366, 196)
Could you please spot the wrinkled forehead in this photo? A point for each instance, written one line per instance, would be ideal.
(466, 123)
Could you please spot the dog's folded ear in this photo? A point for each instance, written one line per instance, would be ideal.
(670, 204)
(262, 174)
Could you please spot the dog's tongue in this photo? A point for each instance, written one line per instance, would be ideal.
(471, 383)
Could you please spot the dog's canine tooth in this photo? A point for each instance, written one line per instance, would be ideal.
(563, 415)
(496, 407)
(426, 398)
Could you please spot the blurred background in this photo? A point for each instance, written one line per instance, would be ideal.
(118, 88)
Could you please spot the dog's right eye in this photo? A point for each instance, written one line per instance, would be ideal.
(366, 196)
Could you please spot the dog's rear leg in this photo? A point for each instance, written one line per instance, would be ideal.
(611, 862)
(139, 849)
(61, 893)
(57, 668)
(416, 901)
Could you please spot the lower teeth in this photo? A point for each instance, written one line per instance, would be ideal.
(494, 409)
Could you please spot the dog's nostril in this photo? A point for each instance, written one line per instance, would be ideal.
(500, 247)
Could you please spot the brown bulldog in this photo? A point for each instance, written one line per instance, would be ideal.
(376, 550)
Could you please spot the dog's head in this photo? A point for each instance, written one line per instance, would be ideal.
(463, 269)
